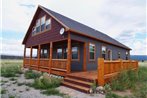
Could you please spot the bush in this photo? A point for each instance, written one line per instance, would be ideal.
(31, 74)
(45, 83)
(10, 71)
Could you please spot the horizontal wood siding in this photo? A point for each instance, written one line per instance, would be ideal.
(92, 65)
(45, 37)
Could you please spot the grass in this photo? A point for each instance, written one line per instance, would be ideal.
(10, 68)
(29, 74)
(2, 91)
(134, 81)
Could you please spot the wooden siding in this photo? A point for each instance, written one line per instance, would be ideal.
(47, 36)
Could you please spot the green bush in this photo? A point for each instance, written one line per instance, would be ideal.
(29, 74)
(10, 71)
(45, 83)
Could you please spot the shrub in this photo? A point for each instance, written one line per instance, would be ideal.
(45, 83)
(3, 91)
(10, 71)
(31, 74)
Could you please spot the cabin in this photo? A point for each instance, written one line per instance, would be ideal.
(59, 45)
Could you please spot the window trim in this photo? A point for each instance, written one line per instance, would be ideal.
(101, 51)
(78, 53)
(45, 30)
(94, 52)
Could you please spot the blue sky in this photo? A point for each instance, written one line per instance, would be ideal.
(123, 20)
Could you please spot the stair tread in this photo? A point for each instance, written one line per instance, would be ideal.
(76, 86)
(85, 78)
(79, 81)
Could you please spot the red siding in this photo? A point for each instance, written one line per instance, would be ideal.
(47, 36)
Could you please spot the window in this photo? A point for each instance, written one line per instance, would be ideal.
(44, 53)
(33, 30)
(48, 24)
(119, 55)
(127, 55)
(75, 54)
(91, 51)
(43, 23)
(59, 53)
(38, 26)
(104, 52)
(65, 53)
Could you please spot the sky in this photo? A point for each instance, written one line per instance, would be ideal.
(123, 20)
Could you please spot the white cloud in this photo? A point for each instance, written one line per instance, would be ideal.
(122, 20)
(11, 47)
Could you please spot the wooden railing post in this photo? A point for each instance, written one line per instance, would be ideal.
(39, 50)
(31, 56)
(68, 54)
(121, 65)
(50, 59)
(24, 56)
(85, 57)
(100, 65)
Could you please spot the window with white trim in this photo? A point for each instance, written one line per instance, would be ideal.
(92, 51)
(104, 52)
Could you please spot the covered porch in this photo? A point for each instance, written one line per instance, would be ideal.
(57, 57)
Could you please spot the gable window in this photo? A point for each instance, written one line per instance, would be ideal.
(38, 26)
(33, 30)
(92, 51)
(48, 24)
(43, 23)
(75, 54)
(104, 52)
(119, 55)
(59, 53)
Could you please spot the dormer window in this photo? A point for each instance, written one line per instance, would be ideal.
(43, 23)
(48, 24)
(38, 26)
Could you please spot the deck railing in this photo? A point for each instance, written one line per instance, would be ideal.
(58, 66)
(59, 63)
(109, 69)
(44, 63)
(26, 62)
(34, 62)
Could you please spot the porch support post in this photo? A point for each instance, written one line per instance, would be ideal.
(31, 56)
(39, 49)
(24, 56)
(51, 54)
(85, 57)
(68, 68)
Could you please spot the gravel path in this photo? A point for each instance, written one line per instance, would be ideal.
(22, 91)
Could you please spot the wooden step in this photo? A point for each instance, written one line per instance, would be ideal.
(79, 82)
(81, 78)
(77, 87)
